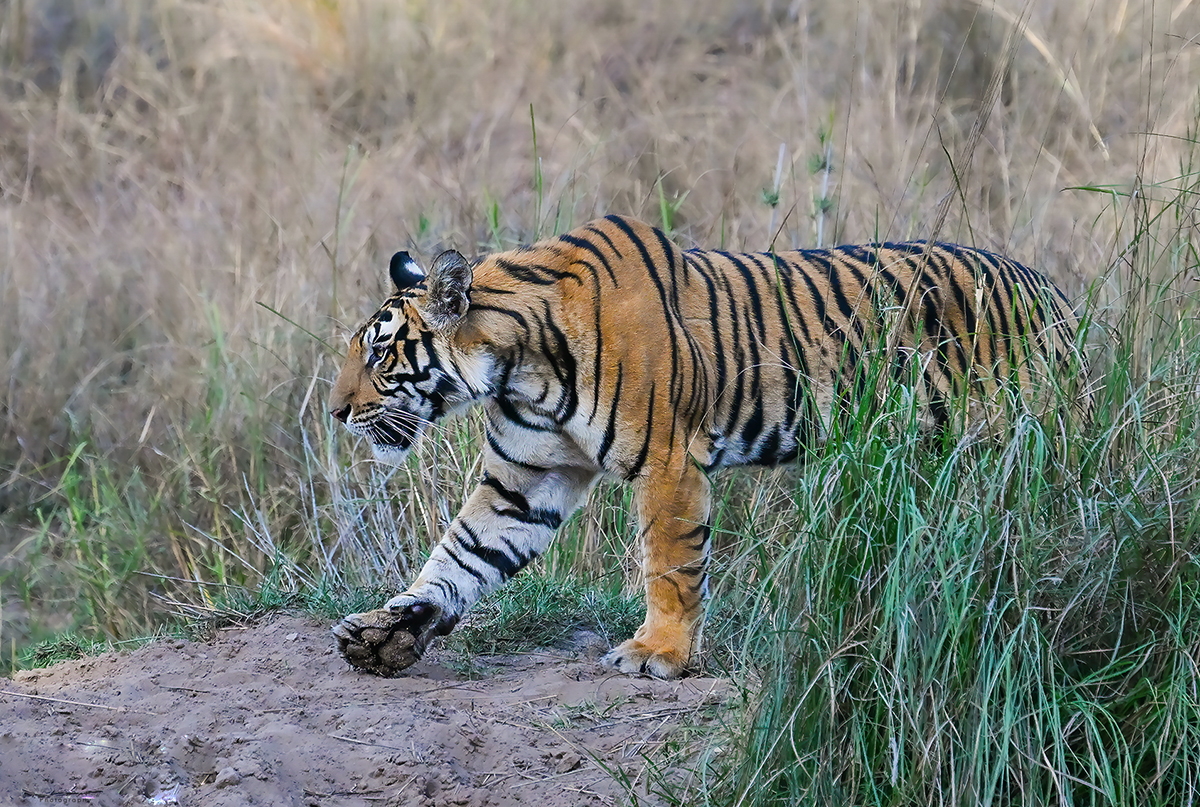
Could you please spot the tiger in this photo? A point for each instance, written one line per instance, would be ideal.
(610, 352)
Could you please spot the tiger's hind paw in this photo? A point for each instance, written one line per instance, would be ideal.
(386, 641)
(635, 658)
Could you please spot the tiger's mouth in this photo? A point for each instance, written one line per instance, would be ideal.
(393, 434)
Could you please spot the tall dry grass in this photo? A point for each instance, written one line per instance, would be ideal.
(196, 201)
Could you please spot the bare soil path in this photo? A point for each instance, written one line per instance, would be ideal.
(269, 715)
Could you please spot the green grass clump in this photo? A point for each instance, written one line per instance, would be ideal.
(961, 628)
(65, 647)
(534, 610)
(1013, 620)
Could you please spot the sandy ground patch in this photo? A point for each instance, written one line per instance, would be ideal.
(269, 715)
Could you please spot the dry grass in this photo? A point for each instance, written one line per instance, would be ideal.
(172, 173)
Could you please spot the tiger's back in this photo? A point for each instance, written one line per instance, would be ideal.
(609, 351)
(745, 358)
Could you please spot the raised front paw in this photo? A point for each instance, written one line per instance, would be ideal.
(387, 640)
(636, 658)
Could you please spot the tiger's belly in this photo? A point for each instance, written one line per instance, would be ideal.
(772, 444)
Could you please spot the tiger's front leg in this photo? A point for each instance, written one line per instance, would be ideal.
(673, 508)
(507, 521)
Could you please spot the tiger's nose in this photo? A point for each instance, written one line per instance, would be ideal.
(341, 414)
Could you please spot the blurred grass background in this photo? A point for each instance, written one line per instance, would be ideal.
(197, 200)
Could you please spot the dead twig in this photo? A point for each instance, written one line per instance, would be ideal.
(365, 742)
(78, 703)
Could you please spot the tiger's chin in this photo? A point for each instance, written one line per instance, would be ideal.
(392, 455)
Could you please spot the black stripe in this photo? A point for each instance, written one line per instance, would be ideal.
(782, 273)
(768, 452)
(1014, 338)
(516, 317)
(789, 348)
(739, 361)
(447, 587)
(993, 309)
(699, 531)
(623, 225)
(669, 252)
(834, 278)
(610, 432)
(536, 274)
(506, 565)
(466, 568)
(592, 248)
(560, 354)
(641, 458)
(714, 318)
(604, 237)
(753, 426)
(944, 337)
(539, 516)
(751, 288)
(504, 455)
(598, 349)
(794, 394)
(510, 412)
(521, 510)
(514, 497)
(818, 301)
(697, 401)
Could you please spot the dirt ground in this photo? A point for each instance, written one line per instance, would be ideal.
(269, 715)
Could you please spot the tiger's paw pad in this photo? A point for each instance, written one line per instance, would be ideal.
(387, 640)
(634, 658)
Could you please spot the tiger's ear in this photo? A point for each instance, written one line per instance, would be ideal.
(405, 272)
(448, 284)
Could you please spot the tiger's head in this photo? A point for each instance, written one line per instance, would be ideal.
(406, 367)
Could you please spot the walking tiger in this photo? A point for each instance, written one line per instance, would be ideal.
(611, 352)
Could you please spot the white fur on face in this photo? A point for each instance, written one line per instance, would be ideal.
(390, 454)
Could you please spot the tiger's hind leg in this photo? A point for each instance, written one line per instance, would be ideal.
(673, 508)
